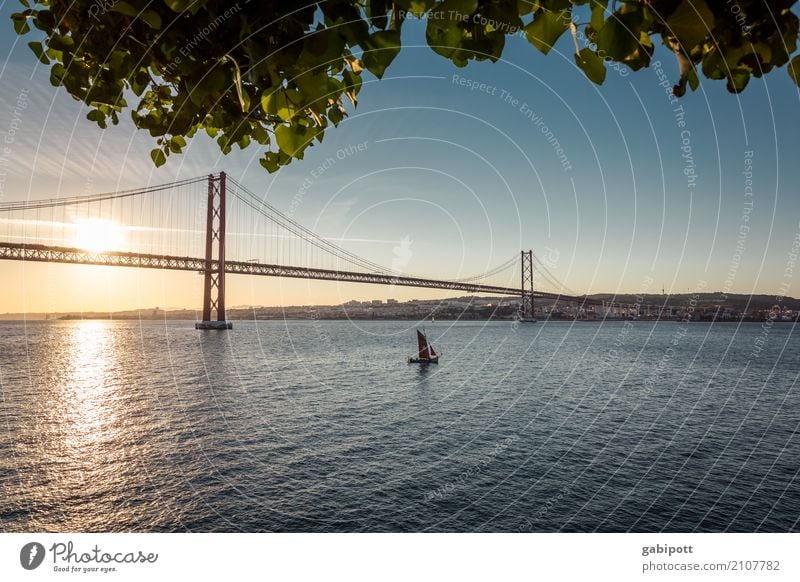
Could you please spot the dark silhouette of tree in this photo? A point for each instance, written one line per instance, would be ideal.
(280, 73)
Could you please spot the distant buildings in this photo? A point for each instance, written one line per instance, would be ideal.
(706, 312)
(740, 308)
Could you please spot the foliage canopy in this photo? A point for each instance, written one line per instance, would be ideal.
(279, 73)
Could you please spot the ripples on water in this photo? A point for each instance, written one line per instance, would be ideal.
(321, 426)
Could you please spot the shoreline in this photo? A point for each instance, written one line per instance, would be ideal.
(396, 319)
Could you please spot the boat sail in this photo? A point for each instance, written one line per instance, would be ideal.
(426, 355)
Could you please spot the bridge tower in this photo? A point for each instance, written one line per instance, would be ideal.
(214, 272)
(526, 288)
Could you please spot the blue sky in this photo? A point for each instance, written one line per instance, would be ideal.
(470, 178)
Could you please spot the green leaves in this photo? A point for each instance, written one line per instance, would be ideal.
(212, 84)
(738, 79)
(546, 28)
(59, 42)
(192, 6)
(381, 49)
(20, 20)
(270, 162)
(464, 30)
(598, 13)
(294, 139)
(619, 37)
(149, 17)
(377, 12)
(352, 85)
(448, 34)
(57, 74)
(176, 144)
(416, 7)
(281, 103)
(592, 65)
(276, 75)
(691, 22)
(794, 70)
(167, 145)
(159, 157)
(98, 117)
(314, 89)
(37, 49)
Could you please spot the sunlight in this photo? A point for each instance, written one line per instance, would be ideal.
(97, 235)
(87, 392)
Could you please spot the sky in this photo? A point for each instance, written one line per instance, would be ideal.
(617, 187)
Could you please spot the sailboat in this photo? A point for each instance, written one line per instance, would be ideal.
(427, 355)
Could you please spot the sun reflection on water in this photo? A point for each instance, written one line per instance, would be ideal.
(87, 394)
(84, 436)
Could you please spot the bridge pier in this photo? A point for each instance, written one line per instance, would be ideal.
(214, 271)
(526, 288)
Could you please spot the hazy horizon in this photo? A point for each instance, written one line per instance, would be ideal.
(444, 297)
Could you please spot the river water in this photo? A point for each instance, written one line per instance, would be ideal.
(321, 426)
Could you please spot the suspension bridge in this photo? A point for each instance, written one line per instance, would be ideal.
(214, 238)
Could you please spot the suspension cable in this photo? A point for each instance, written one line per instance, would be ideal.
(542, 269)
(296, 228)
(512, 262)
(53, 202)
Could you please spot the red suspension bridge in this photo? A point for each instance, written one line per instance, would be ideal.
(37, 230)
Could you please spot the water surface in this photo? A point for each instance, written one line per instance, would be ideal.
(322, 426)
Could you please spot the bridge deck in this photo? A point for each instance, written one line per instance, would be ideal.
(75, 256)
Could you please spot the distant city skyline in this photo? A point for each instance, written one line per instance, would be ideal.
(627, 189)
(736, 303)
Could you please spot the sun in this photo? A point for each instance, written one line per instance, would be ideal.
(97, 235)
